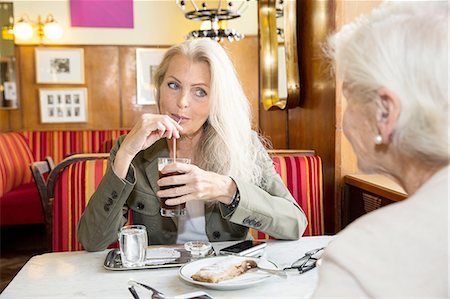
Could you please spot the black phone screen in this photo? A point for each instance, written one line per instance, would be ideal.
(241, 246)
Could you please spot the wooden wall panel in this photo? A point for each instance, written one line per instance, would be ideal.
(312, 125)
(4, 120)
(273, 124)
(102, 78)
(110, 78)
(130, 110)
(29, 101)
(101, 71)
(244, 56)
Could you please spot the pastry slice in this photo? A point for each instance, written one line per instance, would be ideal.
(223, 270)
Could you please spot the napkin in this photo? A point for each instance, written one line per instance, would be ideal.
(159, 256)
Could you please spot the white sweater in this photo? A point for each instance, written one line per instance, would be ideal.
(399, 251)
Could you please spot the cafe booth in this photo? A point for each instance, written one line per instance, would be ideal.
(75, 75)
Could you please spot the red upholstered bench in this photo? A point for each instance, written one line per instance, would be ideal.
(72, 183)
(19, 198)
(301, 172)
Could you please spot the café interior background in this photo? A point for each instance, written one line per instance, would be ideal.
(110, 78)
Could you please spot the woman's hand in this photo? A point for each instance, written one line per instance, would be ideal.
(197, 184)
(149, 129)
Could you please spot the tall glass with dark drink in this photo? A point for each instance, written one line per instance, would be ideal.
(175, 210)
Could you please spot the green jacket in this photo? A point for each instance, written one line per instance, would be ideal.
(270, 209)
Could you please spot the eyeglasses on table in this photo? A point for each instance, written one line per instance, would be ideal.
(308, 261)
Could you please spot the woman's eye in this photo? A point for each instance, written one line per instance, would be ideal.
(200, 92)
(172, 85)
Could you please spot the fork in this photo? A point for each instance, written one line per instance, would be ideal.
(155, 293)
(133, 292)
(280, 273)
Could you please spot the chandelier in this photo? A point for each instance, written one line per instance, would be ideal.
(213, 17)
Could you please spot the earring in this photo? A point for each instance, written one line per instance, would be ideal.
(378, 139)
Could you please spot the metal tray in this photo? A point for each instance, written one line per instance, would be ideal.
(113, 260)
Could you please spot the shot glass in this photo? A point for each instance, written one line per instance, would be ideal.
(198, 249)
(175, 210)
(133, 243)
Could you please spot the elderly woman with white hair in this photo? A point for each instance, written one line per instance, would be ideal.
(230, 185)
(394, 66)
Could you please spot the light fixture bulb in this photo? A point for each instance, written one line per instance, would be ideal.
(205, 25)
(53, 30)
(23, 30)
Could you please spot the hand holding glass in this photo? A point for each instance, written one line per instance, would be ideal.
(174, 210)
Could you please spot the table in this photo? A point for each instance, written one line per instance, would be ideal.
(81, 275)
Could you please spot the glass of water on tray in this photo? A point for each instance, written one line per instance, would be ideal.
(133, 243)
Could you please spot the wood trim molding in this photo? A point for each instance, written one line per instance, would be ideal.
(378, 185)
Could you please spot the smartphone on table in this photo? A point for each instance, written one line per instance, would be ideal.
(245, 248)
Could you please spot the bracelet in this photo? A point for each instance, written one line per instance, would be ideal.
(235, 200)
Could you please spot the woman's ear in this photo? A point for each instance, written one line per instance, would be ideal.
(388, 111)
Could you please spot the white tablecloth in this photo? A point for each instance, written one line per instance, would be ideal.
(82, 275)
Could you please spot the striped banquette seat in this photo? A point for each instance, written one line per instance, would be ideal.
(301, 172)
(72, 185)
(19, 198)
(61, 144)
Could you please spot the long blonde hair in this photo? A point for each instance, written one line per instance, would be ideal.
(227, 146)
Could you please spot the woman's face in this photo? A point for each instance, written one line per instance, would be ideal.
(359, 125)
(184, 93)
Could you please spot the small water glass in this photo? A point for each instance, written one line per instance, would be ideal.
(133, 244)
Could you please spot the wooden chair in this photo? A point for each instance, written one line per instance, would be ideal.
(70, 186)
(41, 171)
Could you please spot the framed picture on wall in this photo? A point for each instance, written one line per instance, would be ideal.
(65, 105)
(63, 65)
(147, 60)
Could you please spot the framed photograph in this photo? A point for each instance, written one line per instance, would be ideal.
(65, 65)
(67, 105)
(147, 60)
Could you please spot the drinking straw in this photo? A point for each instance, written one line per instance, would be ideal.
(174, 149)
(174, 140)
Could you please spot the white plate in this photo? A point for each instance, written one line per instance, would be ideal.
(245, 280)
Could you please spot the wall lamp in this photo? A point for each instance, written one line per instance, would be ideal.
(48, 28)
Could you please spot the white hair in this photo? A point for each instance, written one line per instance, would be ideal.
(226, 146)
(404, 47)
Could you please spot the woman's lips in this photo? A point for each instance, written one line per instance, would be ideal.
(179, 119)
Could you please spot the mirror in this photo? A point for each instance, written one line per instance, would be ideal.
(8, 90)
(280, 87)
(291, 53)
